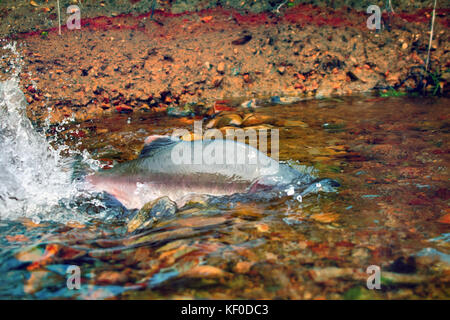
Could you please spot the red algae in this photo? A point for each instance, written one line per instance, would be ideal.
(302, 14)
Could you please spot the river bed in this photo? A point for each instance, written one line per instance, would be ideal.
(390, 156)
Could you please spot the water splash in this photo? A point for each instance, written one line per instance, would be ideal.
(35, 179)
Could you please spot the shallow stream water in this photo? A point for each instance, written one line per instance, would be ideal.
(390, 156)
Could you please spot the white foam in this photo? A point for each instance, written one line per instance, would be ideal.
(35, 179)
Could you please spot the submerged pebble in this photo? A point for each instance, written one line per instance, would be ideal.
(152, 212)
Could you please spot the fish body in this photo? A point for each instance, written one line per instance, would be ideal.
(178, 169)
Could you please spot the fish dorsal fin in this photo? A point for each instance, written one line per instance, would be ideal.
(154, 143)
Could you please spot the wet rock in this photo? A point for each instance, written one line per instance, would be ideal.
(216, 82)
(241, 41)
(262, 227)
(281, 70)
(325, 217)
(30, 255)
(231, 119)
(38, 280)
(393, 78)
(325, 89)
(195, 201)
(284, 100)
(271, 257)
(29, 99)
(445, 219)
(361, 253)
(243, 266)
(292, 123)
(183, 111)
(325, 274)
(190, 136)
(256, 128)
(205, 272)
(111, 277)
(251, 104)
(164, 236)
(206, 19)
(434, 254)
(222, 105)
(159, 209)
(221, 68)
(201, 222)
(333, 127)
(17, 238)
(254, 120)
(124, 109)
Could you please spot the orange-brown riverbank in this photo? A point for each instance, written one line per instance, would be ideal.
(129, 64)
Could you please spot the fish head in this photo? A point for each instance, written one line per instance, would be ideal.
(129, 191)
